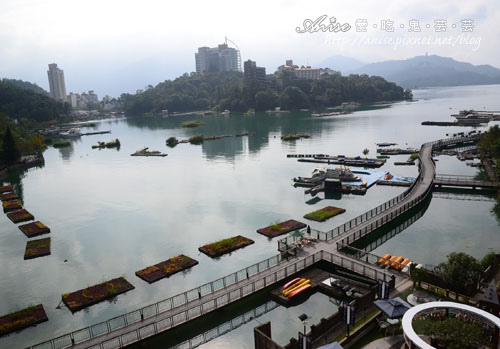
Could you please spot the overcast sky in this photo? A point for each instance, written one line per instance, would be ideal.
(114, 46)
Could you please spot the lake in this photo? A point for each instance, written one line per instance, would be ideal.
(111, 214)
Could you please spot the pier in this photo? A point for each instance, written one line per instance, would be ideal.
(158, 317)
(463, 181)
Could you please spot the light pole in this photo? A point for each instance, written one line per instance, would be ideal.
(303, 343)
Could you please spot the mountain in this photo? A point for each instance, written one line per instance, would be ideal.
(428, 71)
(25, 85)
(341, 63)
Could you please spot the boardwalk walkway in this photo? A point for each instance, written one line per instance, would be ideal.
(155, 318)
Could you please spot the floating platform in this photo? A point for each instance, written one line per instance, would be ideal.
(37, 248)
(21, 319)
(95, 133)
(334, 287)
(397, 151)
(34, 229)
(6, 188)
(9, 196)
(385, 144)
(146, 152)
(219, 248)
(20, 216)
(324, 213)
(338, 160)
(94, 294)
(13, 205)
(371, 177)
(398, 181)
(281, 228)
(166, 268)
(404, 163)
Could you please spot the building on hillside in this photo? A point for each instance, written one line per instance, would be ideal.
(217, 59)
(301, 72)
(56, 83)
(253, 74)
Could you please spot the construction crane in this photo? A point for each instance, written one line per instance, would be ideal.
(237, 51)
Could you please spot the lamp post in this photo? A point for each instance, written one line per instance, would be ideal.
(303, 342)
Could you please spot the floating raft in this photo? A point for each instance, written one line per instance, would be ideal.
(94, 294)
(6, 188)
(34, 229)
(324, 213)
(9, 196)
(12, 205)
(20, 216)
(95, 133)
(397, 151)
(21, 319)
(281, 228)
(166, 268)
(222, 247)
(404, 163)
(37, 248)
(146, 152)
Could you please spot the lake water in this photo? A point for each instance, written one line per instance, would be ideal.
(111, 214)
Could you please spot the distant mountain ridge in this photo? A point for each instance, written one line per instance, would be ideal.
(431, 71)
(341, 63)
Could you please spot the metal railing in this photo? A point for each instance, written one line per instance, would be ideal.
(227, 326)
(188, 305)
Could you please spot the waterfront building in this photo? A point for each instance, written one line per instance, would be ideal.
(217, 59)
(56, 83)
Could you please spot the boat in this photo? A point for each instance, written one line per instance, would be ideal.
(299, 290)
(384, 259)
(295, 287)
(225, 112)
(388, 176)
(290, 283)
(344, 174)
(71, 133)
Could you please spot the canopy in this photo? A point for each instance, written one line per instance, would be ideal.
(297, 233)
(394, 308)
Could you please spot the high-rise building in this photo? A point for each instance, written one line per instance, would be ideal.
(217, 59)
(56, 83)
(254, 75)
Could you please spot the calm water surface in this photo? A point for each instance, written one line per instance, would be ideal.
(111, 214)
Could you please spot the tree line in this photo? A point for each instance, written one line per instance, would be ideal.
(230, 90)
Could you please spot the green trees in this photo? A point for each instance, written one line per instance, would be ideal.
(366, 151)
(228, 90)
(455, 333)
(461, 272)
(490, 143)
(10, 153)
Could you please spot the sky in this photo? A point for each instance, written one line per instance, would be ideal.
(113, 47)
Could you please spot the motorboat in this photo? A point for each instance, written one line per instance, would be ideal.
(71, 133)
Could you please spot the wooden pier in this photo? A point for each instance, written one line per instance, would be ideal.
(463, 181)
(142, 323)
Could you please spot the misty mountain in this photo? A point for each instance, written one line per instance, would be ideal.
(429, 71)
(341, 63)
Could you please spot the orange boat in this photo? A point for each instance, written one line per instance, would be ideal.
(299, 290)
(397, 261)
(295, 287)
(384, 259)
(404, 263)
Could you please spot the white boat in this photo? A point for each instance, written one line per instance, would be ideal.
(226, 112)
(71, 133)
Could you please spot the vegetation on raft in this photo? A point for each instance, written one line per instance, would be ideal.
(11, 205)
(21, 319)
(196, 139)
(166, 268)
(281, 228)
(324, 213)
(20, 216)
(62, 144)
(37, 248)
(34, 229)
(172, 141)
(293, 137)
(94, 294)
(191, 124)
(224, 246)
(112, 144)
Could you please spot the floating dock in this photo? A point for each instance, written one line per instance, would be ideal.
(398, 181)
(338, 160)
(397, 151)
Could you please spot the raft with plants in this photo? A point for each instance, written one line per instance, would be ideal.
(61, 144)
(277, 229)
(146, 152)
(8, 196)
(21, 215)
(293, 137)
(224, 246)
(12, 205)
(6, 188)
(112, 144)
(37, 248)
(34, 229)
(94, 294)
(192, 124)
(21, 319)
(166, 268)
(324, 213)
